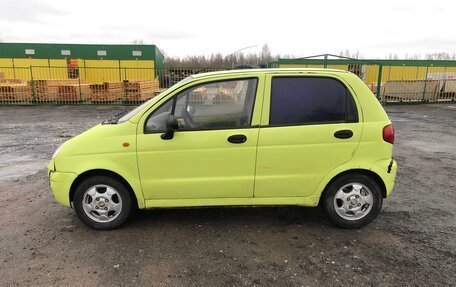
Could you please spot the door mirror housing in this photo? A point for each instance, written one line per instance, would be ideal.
(171, 125)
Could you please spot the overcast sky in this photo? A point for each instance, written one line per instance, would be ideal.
(179, 28)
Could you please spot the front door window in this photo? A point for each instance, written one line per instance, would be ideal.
(217, 105)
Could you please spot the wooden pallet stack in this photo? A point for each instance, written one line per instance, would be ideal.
(223, 99)
(74, 92)
(448, 92)
(107, 92)
(14, 90)
(69, 90)
(47, 90)
(197, 96)
(410, 90)
(141, 90)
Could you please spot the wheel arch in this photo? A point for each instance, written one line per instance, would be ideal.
(366, 172)
(96, 172)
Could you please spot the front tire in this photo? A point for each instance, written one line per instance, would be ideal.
(102, 202)
(352, 200)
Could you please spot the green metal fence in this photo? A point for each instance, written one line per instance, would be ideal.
(392, 81)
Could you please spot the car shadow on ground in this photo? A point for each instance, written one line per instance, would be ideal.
(229, 216)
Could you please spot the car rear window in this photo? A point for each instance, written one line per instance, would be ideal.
(310, 100)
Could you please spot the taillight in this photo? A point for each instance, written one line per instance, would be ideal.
(388, 134)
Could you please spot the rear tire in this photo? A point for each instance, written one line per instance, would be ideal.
(102, 202)
(352, 200)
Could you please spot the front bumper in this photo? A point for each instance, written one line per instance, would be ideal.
(60, 183)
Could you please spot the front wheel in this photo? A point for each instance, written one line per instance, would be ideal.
(352, 200)
(102, 202)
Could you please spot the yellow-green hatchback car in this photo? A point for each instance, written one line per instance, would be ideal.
(303, 137)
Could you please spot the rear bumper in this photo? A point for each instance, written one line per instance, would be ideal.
(60, 183)
(393, 173)
(386, 169)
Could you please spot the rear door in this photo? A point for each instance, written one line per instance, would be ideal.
(310, 125)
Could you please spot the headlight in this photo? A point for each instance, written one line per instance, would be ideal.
(57, 151)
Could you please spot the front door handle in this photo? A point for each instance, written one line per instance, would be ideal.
(237, 139)
(343, 134)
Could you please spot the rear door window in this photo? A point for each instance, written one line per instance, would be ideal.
(310, 100)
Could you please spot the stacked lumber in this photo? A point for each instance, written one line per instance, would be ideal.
(141, 90)
(448, 91)
(107, 92)
(195, 99)
(14, 90)
(224, 99)
(75, 90)
(197, 96)
(60, 90)
(46, 90)
(73, 93)
(410, 90)
(11, 81)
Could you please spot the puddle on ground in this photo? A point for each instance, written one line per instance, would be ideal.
(15, 166)
(431, 146)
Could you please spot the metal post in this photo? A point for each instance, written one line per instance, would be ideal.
(379, 81)
(443, 83)
(33, 85)
(85, 71)
(425, 84)
(325, 61)
(14, 68)
(80, 89)
(120, 72)
(125, 83)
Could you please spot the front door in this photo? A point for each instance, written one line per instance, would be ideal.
(310, 126)
(213, 152)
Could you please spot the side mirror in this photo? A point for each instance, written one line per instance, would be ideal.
(171, 125)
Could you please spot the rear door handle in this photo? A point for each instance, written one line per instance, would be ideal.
(237, 139)
(343, 134)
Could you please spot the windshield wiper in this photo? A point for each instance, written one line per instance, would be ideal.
(114, 118)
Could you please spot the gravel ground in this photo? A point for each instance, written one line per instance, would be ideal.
(411, 243)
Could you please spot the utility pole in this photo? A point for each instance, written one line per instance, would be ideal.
(232, 54)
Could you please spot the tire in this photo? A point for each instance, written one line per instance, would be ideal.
(352, 200)
(102, 202)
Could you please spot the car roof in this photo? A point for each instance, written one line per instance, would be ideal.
(266, 71)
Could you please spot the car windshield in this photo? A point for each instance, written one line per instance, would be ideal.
(133, 112)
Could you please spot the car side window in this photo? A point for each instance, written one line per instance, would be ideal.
(215, 105)
(157, 119)
(310, 100)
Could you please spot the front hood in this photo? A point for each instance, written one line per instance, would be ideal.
(99, 139)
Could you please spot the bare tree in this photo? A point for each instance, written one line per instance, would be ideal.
(265, 56)
(219, 61)
(138, 42)
(439, 56)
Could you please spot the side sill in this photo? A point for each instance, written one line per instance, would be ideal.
(200, 202)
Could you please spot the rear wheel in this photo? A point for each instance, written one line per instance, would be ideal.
(352, 200)
(102, 202)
